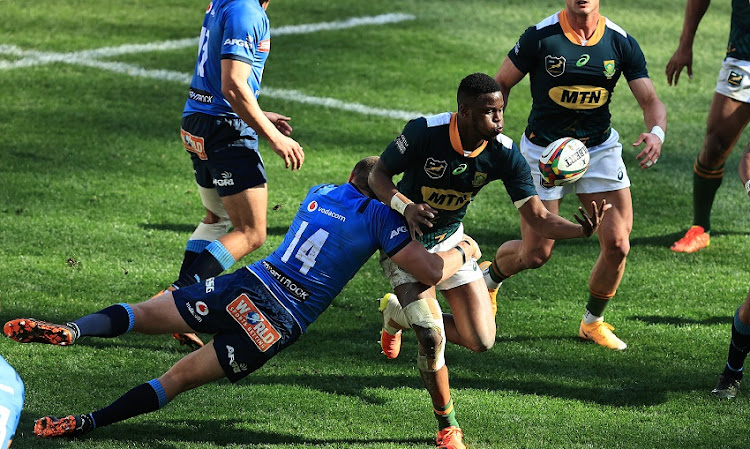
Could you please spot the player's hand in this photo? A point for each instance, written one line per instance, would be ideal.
(590, 224)
(280, 122)
(289, 150)
(476, 253)
(680, 59)
(651, 152)
(417, 215)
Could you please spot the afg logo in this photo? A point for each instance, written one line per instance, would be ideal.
(398, 231)
(252, 321)
(312, 206)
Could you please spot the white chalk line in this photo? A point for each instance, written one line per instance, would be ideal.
(91, 58)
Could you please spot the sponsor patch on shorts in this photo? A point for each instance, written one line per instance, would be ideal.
(194, 144)
(257, 327)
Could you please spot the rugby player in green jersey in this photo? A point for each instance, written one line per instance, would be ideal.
(445, 160)
(739, 346)
(728, 117)
(574, 59)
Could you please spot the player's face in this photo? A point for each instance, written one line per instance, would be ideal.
(582, 7)
(487, 115)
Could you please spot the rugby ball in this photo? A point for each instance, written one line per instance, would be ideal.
(564, 161)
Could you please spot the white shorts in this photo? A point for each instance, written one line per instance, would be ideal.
(469, 272)
(734, 79)
(606, 172)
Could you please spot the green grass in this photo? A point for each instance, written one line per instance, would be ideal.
(98, 200)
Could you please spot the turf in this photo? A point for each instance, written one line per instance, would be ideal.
(98, 200)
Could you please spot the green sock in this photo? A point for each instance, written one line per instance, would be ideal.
(446, 416)
(596, 304)
(706, 182)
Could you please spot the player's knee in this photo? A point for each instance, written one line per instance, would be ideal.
(254, 237)
(426, 319)
(616, 251)
(537, 257)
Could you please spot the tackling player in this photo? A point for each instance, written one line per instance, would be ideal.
(221, 123)
(446, 160)
(11, 402)
(258, 310)
(574, 59)
(728, 116)
(739, 345)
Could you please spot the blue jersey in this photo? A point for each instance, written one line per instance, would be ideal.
(336, 230)
(11, 402)
(232, 29)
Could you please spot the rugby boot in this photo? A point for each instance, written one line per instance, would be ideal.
(28, 330)
(450, 438)
(70, 426)
(484, 266)
(188, 339)
(601, 333)
(695, 238)
(393, 322)
(727, 388)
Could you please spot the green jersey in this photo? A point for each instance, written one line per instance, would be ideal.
(572, 82)
(739, 31)
(437, 170)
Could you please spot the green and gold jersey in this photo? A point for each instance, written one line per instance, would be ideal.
(438, 172)
(572, 82)
(739, 32)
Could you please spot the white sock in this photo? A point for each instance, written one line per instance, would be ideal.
(589, 318)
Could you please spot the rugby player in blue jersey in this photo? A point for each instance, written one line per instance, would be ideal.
(221, 126)
(11, 402)
(258, 310)
(574, 59)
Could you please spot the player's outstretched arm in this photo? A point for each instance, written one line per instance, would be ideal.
(433, 268)
(683, 56)
(239, 95)
(744, 169)
(555, 227)
(655, 117)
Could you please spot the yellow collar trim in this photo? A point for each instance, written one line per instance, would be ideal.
(575, 38)
(456, 139)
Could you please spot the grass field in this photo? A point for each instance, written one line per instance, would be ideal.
(98, 199)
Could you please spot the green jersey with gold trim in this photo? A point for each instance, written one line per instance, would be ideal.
(739, 31)
(437, 170)
(572, 81)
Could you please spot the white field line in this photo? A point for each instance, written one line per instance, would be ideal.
(91, 58)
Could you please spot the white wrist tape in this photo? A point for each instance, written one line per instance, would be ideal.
(747, 187)
(659, 132)
(399, 202)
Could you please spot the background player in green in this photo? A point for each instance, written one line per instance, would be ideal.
(728, 117)
(445, 160)
(574, 59)
(739, 346)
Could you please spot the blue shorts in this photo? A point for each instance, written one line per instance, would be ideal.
(224, 151)
(249, 324)
(11, 402)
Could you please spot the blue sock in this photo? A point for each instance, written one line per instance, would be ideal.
(192, 250)
(211, 262)
(142, 399)
(738, 347)
(115, 320)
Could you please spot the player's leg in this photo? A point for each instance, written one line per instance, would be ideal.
(514, 256)
(193, 370)
(156, 315)
(739, 346)
(214, 225)
(423, 312)
(726, 120)
(471, 323)
(614, 241)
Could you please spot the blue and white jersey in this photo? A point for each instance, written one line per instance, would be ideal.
(232, 29)
(336, 230)
(11, 402)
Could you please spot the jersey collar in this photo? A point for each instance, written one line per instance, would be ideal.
(573, 36)
(456, 139)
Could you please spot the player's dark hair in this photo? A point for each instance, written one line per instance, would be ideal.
(361, 172)
(474, 86)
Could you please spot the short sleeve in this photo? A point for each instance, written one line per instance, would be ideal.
(634, 62)
(518, 181)
(524, 53)
(387, 227)
(244, 30)
(406, 148)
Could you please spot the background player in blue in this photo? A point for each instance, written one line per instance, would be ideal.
(739, 345)
(221, 123)
(574, 59)
(727, 118)
(11, 402)
(258, 310)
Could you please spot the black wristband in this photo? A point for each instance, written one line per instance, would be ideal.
(461, 250)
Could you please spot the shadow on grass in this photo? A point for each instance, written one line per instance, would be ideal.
(189, 228)
(682, 321)
(667, 240)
